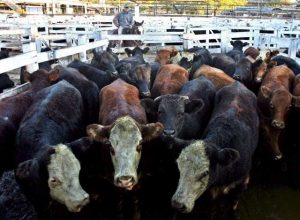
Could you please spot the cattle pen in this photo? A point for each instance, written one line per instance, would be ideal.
(77, 36)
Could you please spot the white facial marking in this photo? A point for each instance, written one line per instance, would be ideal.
(193, 165)
(63, 181)
(125, 137)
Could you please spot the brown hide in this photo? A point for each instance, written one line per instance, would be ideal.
(296, 92)
(169, 80)
(274, 101)
(119, 99)
(163, 56)
(215, 75)
(252, 52)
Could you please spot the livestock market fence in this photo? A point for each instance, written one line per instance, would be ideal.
(69, 35)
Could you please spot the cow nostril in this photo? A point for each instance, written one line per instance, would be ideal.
(169, 132)
(180, 206)
(125, 179)
(236, 77)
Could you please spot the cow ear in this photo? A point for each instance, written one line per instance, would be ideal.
(194, 105)
(228, 156)
(142, 23)
(266, 92)
(80, 146)
(296, 101)
(53, 75)
(174, 52)
(27, 76)
(25, 169)
(231, 42)
(145, 50)
(98, 132)
(109, 50)
(151, 131)
(245, 44)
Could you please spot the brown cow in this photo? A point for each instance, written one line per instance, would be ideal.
(296, 92)
(164, 55)
(274, 101)
(169, 80)
(123, 126)
(215, 75)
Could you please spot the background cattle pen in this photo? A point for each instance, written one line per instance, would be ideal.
(274, 193)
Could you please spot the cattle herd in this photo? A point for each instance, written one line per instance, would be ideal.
(128, 139)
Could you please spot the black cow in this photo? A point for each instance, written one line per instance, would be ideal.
(201, 56)
(184, 115)
(292, 64)
(135, 57)
(105, 60)
(221, 161)
(5, 82)
(100, 77)
(225, 63)
(89, 92)
(155, 66)
(139, 77)
(45, 168)
(237, 51)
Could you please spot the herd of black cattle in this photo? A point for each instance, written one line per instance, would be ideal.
(127, 139)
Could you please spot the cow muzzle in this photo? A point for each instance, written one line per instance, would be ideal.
(169, 132)
(278, 124)
(77, 205)
(145, 94)
(236, 77)
(126, 182)
(258, 79)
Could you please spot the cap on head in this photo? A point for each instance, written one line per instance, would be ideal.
(126, 6)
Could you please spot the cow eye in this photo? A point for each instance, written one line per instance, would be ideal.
(112, 151)
(204, 174)
(139, 148)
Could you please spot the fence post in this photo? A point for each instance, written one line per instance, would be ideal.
(82, 39)
(293, 48)
(137, 11)
(256, 38)
(28, 48)
(224, 40)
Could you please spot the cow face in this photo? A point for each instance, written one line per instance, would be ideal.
(63, 169)
(279, 103)
(243, 71)
(63, 176)
(41, 75)
(137, 51)
(172, 111)
(124, 138)
(105, 61)
(238, 44)
(141, 76)
(163, 56)
(197, 167)
(259, 69)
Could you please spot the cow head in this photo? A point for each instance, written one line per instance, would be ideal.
(41, 75)
(185, 63)
(63, 176)
(197, 164)
(141, 76)
(137, 51)
(259, 69)
(172, 111)
(243, 71)
(163, 56)
(279, 102)
(105, 60)
(125, 138)
(238, 44)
